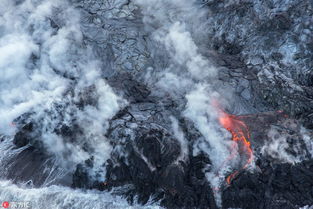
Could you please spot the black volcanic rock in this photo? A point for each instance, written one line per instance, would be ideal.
(275, 186)
(147, 155)
(272, 40)
(263, 53)
(25, 135)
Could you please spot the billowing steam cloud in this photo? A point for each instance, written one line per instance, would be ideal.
(288, 147)
(45, 70)
(278, 147)
(188, 73)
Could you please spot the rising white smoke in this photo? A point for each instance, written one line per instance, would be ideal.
(307, 140)
(277, 147)
(45, 69)
(176, 25)
(179, 134)
(287, 148)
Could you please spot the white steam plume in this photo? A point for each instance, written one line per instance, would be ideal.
(43, 58)
(285, 147)
(177, 25)
(179, 134)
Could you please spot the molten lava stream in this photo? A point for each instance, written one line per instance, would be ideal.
(240, 134)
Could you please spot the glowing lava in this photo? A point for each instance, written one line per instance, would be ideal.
(240, 134)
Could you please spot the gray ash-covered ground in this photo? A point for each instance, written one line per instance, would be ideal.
(131, 110)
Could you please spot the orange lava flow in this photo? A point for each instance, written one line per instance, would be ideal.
(240, 134)
(231, 176)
